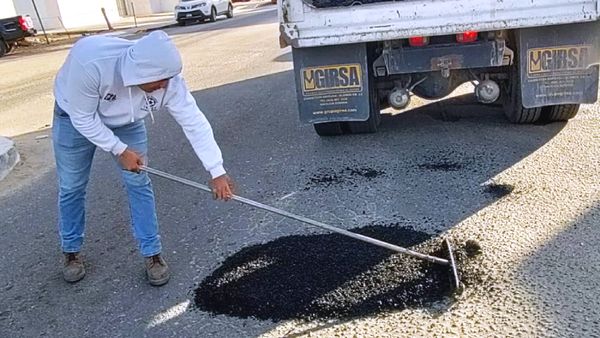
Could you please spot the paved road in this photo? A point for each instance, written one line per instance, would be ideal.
(528, 194)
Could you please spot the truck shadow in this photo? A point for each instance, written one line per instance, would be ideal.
(426, 170)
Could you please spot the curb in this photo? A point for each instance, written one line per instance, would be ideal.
(9, 157)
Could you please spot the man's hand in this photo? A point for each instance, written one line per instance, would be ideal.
(222, 187)
(130, 160)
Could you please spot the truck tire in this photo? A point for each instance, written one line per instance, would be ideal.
(329, 128)
(561, 112)
(513, 102)
(3, 48)
(371, 124)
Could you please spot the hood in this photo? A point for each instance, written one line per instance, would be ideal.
(151, 58)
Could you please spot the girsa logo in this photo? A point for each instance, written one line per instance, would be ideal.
(345, 78)
(555, 59)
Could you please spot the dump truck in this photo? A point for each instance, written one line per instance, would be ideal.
(353, 58)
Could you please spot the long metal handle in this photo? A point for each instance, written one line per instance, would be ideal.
(303, 219)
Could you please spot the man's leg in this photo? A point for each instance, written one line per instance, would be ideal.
(142, 205)
(73, 154)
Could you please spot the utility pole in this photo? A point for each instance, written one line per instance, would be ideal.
(40, 20)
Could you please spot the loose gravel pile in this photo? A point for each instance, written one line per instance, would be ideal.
(324, 276)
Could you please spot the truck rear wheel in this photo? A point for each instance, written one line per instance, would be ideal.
(368, 126)
(513, 103)
(329, 128)
(371, 124)
(561, 112)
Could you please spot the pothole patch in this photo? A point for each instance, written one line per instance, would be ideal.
(324, 276)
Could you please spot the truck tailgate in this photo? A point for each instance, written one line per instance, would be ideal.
(306, 26)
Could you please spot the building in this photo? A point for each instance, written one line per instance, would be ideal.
(72, 14)
(7, 9)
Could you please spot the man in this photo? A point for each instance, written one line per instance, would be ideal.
(104, 90)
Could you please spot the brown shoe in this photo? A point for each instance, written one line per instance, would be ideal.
(157, 270)
(73, 270)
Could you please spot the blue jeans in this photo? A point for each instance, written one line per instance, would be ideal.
(74, 153)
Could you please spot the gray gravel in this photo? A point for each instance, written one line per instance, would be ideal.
(537, 274)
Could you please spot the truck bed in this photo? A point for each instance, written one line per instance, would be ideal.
(303, 25)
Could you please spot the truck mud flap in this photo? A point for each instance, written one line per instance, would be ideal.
(332, 83)
(559, 64)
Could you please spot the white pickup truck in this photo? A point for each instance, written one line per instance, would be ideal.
(352, 58)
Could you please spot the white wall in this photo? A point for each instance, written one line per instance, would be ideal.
(7, 9)
(162, 6)
(142, 7)
(48, 10)
(78, 13)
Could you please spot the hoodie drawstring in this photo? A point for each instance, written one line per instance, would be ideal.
(149, 107)
(131, 105)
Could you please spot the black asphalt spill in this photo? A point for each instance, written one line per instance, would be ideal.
(441, 166)
(325, 276)
(472, 248)
(329, 177)
(498, 190)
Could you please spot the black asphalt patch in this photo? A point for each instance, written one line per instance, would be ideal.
(329, 177)
(441, 166)
(498, 190)
(325, 276)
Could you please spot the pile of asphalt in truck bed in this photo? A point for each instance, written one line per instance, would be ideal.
(325, 276)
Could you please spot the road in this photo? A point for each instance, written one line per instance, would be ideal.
(529, 195)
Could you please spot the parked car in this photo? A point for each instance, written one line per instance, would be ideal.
(13, 30)
(202, 10)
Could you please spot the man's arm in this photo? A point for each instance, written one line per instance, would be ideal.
(182, 106)
(83, 98)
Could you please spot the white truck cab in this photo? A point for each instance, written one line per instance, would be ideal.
(202, 10)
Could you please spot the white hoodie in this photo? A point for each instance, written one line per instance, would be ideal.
(98, 88)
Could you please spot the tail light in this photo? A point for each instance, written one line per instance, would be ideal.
(466, 37)
(24, 23)
(418, 41)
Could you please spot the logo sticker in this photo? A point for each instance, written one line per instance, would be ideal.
(110, 97)
(556, 59)
(332, 79)
(152, 102)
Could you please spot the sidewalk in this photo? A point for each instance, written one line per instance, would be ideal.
(126, 26)
(9, 156)
(131, 25)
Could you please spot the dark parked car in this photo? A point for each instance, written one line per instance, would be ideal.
(14, 29)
